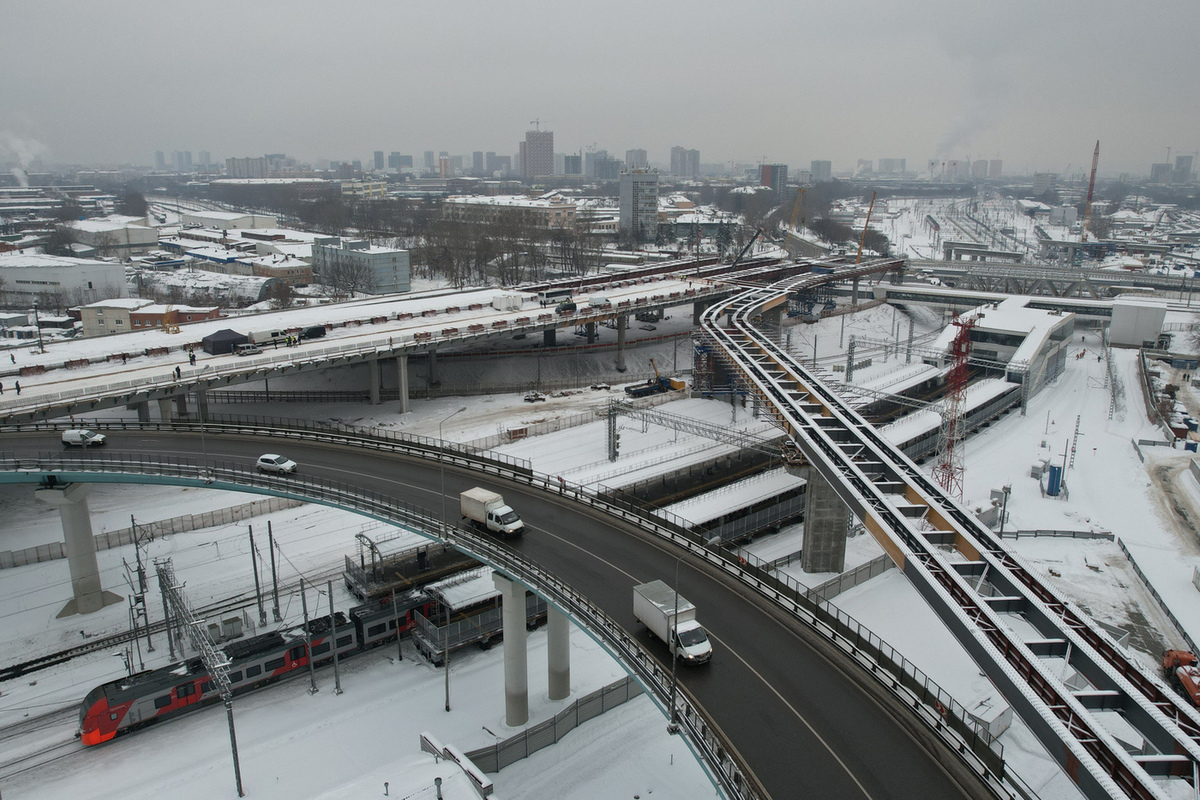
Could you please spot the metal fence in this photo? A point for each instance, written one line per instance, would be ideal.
(123, 536)
(1052, 534)
(496, 757)
(851, 578)
(1157, 597)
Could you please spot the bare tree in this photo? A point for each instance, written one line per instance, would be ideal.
(346, 276)
(281, 295)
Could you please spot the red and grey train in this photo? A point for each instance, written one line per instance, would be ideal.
(146, 697)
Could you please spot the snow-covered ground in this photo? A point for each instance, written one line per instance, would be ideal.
(295, 744)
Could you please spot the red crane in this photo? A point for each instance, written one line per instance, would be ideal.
(948, 471)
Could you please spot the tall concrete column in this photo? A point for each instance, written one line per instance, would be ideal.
(591, 333)
(854, 292)
(622, 324)
(698, 308)
(550, 337)
(164, 409)
(402, 382)
(433, 370)
(373, 380)
(143, 410)
(773, 316)
(516, 655)
(71, 501)
(558, 630)
(825, 520)
(181, 405)
(202, 403)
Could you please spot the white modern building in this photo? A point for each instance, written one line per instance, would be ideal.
(371, 269)
(58, 280)
(225, 220)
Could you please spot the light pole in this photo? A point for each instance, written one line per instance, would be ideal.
(37, 324)
(673, 725)
(446, 635)
(442, 465)
(1004, 508)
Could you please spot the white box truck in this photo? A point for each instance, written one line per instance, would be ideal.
(487, 511)
(661, 609)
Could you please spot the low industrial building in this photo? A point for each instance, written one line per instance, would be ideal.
(224, 220)
(550, 210)
(111, 316)
(58, 280)
(116, 236)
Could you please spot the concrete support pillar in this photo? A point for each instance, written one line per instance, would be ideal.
(181, 405)
(433, 370)
(202, 403)
(516, 655)
(854, 292)
(402, 382)
(825, 521)
(373, 380)
(773, 316)
(550, 337)
(558, 630)
(698, 310)
(164, 410)
(591, 333)
(143, 410)
(71, 501)
(622, 324)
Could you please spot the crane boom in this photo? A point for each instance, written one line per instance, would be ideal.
(863, 238)
(1087, 209)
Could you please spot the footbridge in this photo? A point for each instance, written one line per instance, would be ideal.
(1124, 733)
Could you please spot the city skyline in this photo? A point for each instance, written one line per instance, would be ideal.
(1031, 84)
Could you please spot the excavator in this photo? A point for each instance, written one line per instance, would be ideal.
(656, 385)
(1181, 671)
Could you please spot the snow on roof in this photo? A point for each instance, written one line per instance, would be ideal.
(711, 505)
(131, 303)
(161, 308)
(39, 260)
(108, 224)
(512, 200)
(466, 589)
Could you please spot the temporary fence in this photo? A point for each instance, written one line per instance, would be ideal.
(1137, 570)
(496, 757)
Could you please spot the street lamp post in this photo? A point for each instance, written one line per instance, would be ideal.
(1004, 508)
(37, 324)
(673, 725)
(442, 466)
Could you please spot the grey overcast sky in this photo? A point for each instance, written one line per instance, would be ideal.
(1035, 82)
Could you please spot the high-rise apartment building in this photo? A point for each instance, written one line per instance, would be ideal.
(1160, 173)
(246, 167)
(430, 159)
(477, 162)
(638, 203)
(572, 165)
(774, 176)
(979, 170)
(537, 158)
(1183, 169)
(635, 159)
(995, 168)
(205, 158)
(685, 163)
(821, 171)
(891, 166)
(397, 161)
(160, 161)
(378, 160)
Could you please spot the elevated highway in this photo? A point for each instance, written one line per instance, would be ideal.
(781, 711)
(1023, 633)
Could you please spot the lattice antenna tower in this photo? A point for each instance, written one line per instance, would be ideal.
(948, 471)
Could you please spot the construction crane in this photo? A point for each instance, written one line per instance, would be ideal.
(948, 471)
(863, 238)
(1087, 209)
(757, 233)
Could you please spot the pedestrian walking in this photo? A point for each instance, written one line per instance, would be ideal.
(178, 373)
(18, 385)
(13, 356)
(192, 359)
(124, 358)
(1, 388)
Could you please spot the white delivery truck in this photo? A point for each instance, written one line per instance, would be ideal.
(661, 609)
(82, 437)
(487, 511)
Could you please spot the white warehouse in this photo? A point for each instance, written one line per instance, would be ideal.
(59, 280)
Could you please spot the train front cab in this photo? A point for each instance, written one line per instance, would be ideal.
(97, 721)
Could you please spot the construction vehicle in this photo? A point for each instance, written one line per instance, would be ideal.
(656, 385)
(1181, 671)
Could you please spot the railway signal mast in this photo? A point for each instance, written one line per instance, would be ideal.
(215, 661)
(948, 471)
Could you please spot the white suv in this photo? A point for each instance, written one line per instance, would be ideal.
(280, 465)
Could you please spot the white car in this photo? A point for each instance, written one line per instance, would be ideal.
(280, 465)
(82, 437)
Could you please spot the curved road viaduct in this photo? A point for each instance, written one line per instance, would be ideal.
(804, 719)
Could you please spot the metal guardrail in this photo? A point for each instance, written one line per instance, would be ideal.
(1052, 534)
(932, 706)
